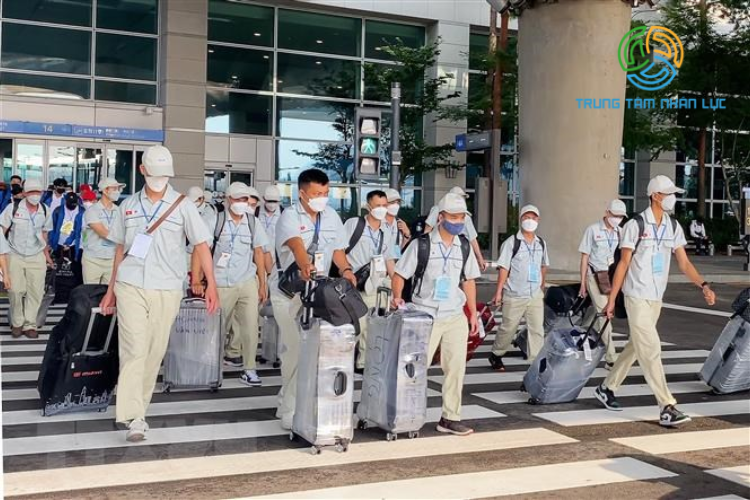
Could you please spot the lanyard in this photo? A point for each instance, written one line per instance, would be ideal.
(445, 257)
(233, 235)
(108, 216)
(145, 213)
(267, 221)
(375, 241)
(612, 240)
(530, 248)
(656, 235)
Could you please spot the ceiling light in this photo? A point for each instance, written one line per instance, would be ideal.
(318, 41)
(234, 77)
(265, 57)
(256, 34)
(210, 51)
(318, 63)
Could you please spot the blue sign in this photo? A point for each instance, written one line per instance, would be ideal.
(93, 132)
(461, 142)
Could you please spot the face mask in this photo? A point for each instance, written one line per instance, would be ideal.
(318, 204)
(87, 204)
(529, 225)
(453, 228)
(16, 189)
(34, 199)
(240, 207)
(272, 206)
(614, 221)
(393, 209)
(252, 207)
(668, 202)
(379, 212)
(113, 195)
(60, 190)
(157, 184)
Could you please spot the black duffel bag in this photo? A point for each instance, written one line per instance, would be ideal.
(741, 305)
(564, 300)
(334, 300)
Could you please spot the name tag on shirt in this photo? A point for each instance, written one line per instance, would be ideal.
(320, 263)
(657, 263)
(223, 261)
(535, 273)
(610, 260)
(397, 251)
(141, 245)
(378, 264)
(442, 291)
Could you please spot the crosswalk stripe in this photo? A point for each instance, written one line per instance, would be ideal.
(688, 441)
(709, 312)
(739, 474)
(619, 344)
(124, 474)
(40, 347)
(510, 397)
(516, 481)
(642, 413)
(724, 497)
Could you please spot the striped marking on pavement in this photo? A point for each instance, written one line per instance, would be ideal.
(699, 310)
(688, 441)
(518, 481)
(739, 474)
(619, 344)
(104, 476)
(642, 413)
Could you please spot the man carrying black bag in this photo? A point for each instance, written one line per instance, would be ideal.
(309, 236)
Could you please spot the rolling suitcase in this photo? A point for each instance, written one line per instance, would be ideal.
(727, 368)
(269, 336)
(196, 346)
(394, 387)
(564, 365)
(47, 299)
(325, 383)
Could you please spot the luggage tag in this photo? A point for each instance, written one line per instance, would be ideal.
(320, 263)
(587, 349)
(657, 263)
(141, 245)
(535, 274)
(223, 261)
(442, 292)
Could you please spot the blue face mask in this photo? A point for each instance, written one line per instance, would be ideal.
(453, 228)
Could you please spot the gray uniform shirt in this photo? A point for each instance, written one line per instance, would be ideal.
(518, 285)
(165, 265)
(469, 229)
(600, 243)
(239, 242)
(4, 247)
(94, 245)
(641, 282)
(368, 245)
(396, 252)
(25, 237)
(209, 216)
(269, 223)
(443, 262)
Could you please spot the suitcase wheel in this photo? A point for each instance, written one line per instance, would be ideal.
(213, 388)
(391, 436)
(277, 364)
(522, 388)
(167, 389)
(343, 446)
(102, 410)
(533, 401)
(413, 434)
(315, 450)
(362, 425)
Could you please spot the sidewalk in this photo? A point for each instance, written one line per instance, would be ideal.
(716, 269)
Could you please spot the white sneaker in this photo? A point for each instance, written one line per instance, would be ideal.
(136, 431)
(251, 378)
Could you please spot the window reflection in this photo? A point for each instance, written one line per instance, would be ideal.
(627, 179)
(88, 167)
(318, 76)
(6, 154)
(40, 48)
(120, 166)
(324, 33)
(315, 120)
(239, 68)
(379, 34)
(61, 163)
(231, 112)
(240, 23)
(687, 178)
(295, 156)
(127, 15)
(29, 161)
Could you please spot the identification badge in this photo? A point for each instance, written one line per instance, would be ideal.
(657, 263)
(378, 264)
(320, 263)
(535, 274)
(223, 261)
(442, 291)
(67, 227)
(610, 260)
(141, 245)
(587, 349)
(397, 251)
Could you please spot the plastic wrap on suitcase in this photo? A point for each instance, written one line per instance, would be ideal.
(269, 338)
(741, 304)
(196, 344)
(394, 387)
(727, 368)
(564, 365)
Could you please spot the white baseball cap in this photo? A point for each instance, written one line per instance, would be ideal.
(459, 191)
(529, 208)
(32, 185)
(663, 184)
(453, 203)
(392, 195)
(208, 196)
(239, 190)
(194, 193)
(108, 183)
(272, 193)
(254, 192)
(158, 161)
(617, 207)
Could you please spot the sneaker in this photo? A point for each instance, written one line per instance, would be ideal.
(251, 378)
(235, 362)
(453, 427)
(16, 332)
(496, 362)
(672, 417)
(31, 333)
(607, 398)
(136, 431)
(608, 366)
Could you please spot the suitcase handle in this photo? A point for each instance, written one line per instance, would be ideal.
(94, 312)
(591, 328)
(382, 290)
(307, 313)
(340, 383)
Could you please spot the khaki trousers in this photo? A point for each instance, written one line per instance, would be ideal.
(145, 319)
(239, 305)
(645, 347)
(370, 301)
(600, 302)
(27, 281)
(514, 309)
(96, 271)
(285, 311)
(451, 335)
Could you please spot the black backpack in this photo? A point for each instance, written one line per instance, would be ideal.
(423, 259)
(517, 246)
(335, 301)
(362, 274)
(221, 220)
(15, 210)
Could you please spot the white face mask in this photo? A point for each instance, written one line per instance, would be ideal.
(157, 184)
(318, 204)
(393, 209)
(669, 202)
(87, 204)
(239, 207)
(34, 199)
(614, 221)
(379, 212)
(529, 225)
(112, 195)
(272, 206)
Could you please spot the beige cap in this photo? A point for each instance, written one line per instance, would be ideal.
(32, 185)
(108, 183)
(529, 208)
(453, 203)
(158, 161)
(239, 190)
(459, 191)
(208, 196)
(663, 184)
(272, 193)
(194, 193)
(254, 192)
(392, 195)
(617, 207)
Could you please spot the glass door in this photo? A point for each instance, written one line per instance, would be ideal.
(61, 161)
(30, 160)
(88, 166)
(120, 165)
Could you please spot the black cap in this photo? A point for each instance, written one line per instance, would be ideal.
(60, 182)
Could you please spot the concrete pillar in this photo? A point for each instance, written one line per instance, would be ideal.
(569, 157)
(183, 86)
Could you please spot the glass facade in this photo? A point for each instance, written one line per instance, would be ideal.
(60, 48)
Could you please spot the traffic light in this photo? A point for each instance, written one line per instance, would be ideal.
(367, 143)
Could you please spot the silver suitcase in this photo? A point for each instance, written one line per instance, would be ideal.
(196, 345)
(394, 387)
(727, 368)
(269, 336)
(323, 414)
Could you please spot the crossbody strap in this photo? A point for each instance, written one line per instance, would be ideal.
(165, 215)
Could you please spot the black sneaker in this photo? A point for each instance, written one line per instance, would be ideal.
(453, 427)
(235, 362)
(496, 362)
(607, 398)
(672, 417)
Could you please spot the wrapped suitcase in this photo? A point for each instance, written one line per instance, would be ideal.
(564, 365)
(394, 387)
(196, 346)
(269, 336)
(325, 384)
(727, 368)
